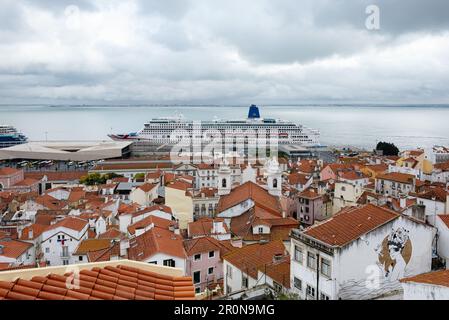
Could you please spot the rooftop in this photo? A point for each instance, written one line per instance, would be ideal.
(112, 280)
(350, 224)
(439, 278)
(251, 257)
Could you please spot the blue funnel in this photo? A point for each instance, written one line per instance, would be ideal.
(253, 112)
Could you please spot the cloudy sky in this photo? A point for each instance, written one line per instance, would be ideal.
(223, 52)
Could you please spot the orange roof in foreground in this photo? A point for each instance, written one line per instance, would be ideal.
(439, 278)
(350, 224)
(108, 283)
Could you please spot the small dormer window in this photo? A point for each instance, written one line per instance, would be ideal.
(275, 183)
(223, 183)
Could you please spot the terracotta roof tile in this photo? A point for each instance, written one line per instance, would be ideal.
(254, 256)
(250, 190)
(6, 171)
(445, 219)
(56, 175)
(34, 230)
(350, 224)
(204, 226)
(73, 223)
(397, 177)
(439, 278)
(123, 283)
(204, 244)
(153, 241)
(147, 187)
(14, 248)
(157, 221)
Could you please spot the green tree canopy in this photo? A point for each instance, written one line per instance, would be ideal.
(388, 149)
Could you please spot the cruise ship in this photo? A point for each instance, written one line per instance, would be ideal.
(161, 130)
(9, 136)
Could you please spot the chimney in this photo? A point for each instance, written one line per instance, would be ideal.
(402, 202)
(237, 242)
(1, 249)
(30, 233)
(140, 231)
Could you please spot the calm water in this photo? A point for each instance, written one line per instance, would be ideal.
(406, 126)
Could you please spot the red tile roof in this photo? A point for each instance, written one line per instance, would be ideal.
(298, 178)
(438, 278)
(27, 182)
(14, 248)
(250, 190)
(111, 233)
(108, 283)
(279, 271)
(37, 230)
(6, 171)
(156, 240)
(397, 177)
(145, 222)
(309, 193)
(204, 244)
(350, 224)
(73, 223)
(147, 187)
(56, 175)
(254, 256)
(445, 219)
(89, 245)
(203, 227)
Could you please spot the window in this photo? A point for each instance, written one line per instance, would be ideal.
(229, 271)
(197, 290)
(343, 189)
(47, 250)
(197, 277)
(310, 291)
(299, 256)
(65, 262)
(325, 267)
(275, 183)
(260, 230)
(197, 257)
(211, 254)
(210, 270)
(324, 296)
(223, 183)
(311, 260)
(80, 258)
(169, 263)
(297, 283)
(244, 281)
(152, 262)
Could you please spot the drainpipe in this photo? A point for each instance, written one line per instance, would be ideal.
(317, 275)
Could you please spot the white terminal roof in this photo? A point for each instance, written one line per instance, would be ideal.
(65, 150)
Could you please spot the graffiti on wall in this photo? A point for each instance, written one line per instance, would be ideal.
(394, 253)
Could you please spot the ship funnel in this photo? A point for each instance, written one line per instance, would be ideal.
(253, 112)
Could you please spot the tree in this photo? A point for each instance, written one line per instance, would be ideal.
(139, 177)
(387, 148)
(96, 178)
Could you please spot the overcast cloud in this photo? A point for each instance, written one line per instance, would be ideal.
(223, 52)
